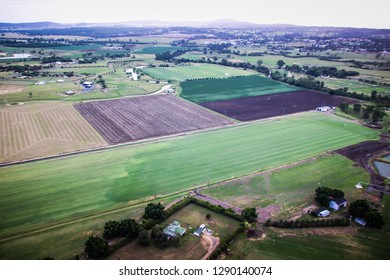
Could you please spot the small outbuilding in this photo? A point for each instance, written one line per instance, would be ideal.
(338, 203)
(174, 230)
(200, 230)
(321, 212)
(361, 222)
(323, 109)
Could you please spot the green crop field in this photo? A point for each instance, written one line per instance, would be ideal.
(314, 244)
(159, 49)
(353, 85)
(231, 88)
(292, 189)
(201, 71)
(38, 130)
(39, 195)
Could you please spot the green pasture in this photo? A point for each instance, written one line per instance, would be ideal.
(49, 242)
(20, 90)
(164, 74)
(196, 71)
(42, 194)
(353, 85)
(231, 88)
(159, 49)
(307, 244)
(84, 70)
(292, 189)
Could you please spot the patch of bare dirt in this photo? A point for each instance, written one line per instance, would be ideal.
(267, 212)
(4, 89)
(210, 243)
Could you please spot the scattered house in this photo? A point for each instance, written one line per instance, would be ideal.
(338, 203)
(40, 83)
(323, 109)
(88, 84)
(60, 81)
(174, 230)
(200, 230)
(360, 221)
(170, 90)
(321, 212)
(69, 92)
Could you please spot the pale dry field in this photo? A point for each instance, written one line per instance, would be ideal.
(44, 129)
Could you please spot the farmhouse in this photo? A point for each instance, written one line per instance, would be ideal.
(200, 230)
(321, 212)
(40, 83)
(174, 230)
(323, 109)
(88, 84)
(338, 203)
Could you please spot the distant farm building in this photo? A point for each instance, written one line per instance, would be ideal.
(170, 90)
(338, 203)
(321, 212)
(69, 92)
(324, 109)
(60, 81)
(200, 230)
(174, 230)
(88, 84)
(40, 83)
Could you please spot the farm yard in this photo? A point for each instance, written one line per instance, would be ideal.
(195, 71)
(191, 247)
(32, 195)
(38, 130)
(137, 118)
(266, 106)
(232, 88)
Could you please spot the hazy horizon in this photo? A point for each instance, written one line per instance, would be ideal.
(347, 13)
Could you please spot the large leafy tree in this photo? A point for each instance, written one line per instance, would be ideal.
(96, 247)
(154, 211)
(359, 208)
(249, 214)
(374, 219)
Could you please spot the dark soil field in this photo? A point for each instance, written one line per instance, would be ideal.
(261, 107)
(125, 120)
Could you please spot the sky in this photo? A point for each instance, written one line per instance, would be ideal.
(343, 13)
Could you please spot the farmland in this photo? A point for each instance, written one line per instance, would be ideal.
(231, 88)
(39, 130)
(266, 106)
(136, 118)
(159, 49)
(314, 244)
(289, 190)
(32, 195)
(196, 71)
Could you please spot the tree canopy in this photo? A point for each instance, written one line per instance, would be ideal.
(249, 214)
(154, 211)
(96, 247)
(325, 194)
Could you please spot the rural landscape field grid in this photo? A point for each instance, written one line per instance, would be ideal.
(225, 140)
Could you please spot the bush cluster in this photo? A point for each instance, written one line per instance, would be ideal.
(307, 224)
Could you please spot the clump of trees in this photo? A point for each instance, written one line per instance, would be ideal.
(249, 214)
(307, 223)
(361, 209)
(323, 195)
(96, 248)
(128, 228)
(154, 211)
